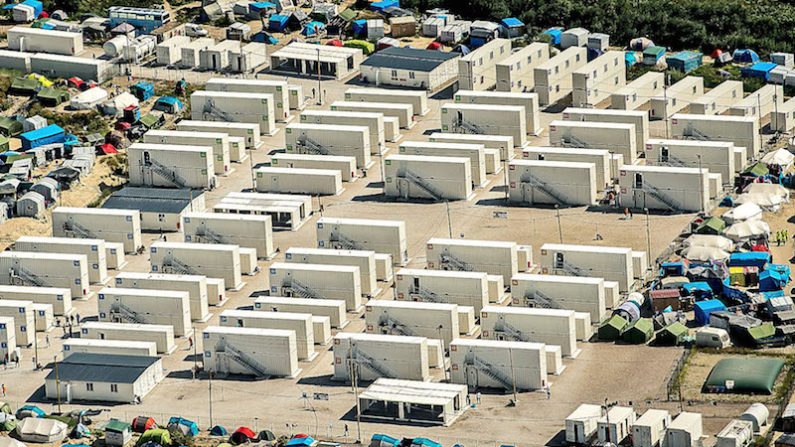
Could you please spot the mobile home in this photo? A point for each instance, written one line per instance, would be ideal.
(599, 157)
(552, 182)
(760, 103)
(437, 286)
(381, 236)
(218, 141)
(516, 73)
(549, 326)
(162, 335)
(717, 100)
(743, 131)
(112, 225)
(249, 131)
(93, 249)
(477, 69)
(402, 111)
(598, 79)
(649, 429)
(140, 306)
(717, 157)
(278, 89)
(299, 323)
(375, 355)
(427, 177)
(334, 310)
(639, 92)
(618, 138)
(504, 365)
(24, 320)
(553, 78)
(324, 182)
(250, 351)
(610, 263)
(59, 298)
(430, 320)
(578, 293)
(475, 152)
(21, 268)
(254, 108)
(373, 121)
(503, 143)
(250, 231)
(184, 258)
(486, 119)
(527, 100)
(417, 98)
(109, 347)
(493, 257)
(194, 285)
(330, 139)
(677, 97)
(345, 165)
(318, 281)
(640, 119)
(171, 165)
(664, 188)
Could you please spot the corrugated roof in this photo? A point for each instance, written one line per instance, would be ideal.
(409, 59)
(101, 368)
(152, 200)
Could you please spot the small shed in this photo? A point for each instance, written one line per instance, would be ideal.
(744, 375)
(238, 31)
(759, 70)
(653, 55)
(405, 26)
(143, 90)
(639, 332)
(277, 23)
(757, 414)
(52, 97)
(48, 188)
(117, 433)
(10, 127)
(702, 309)
(685, 61)
(554, 34)
(511, 27)
(672, 335)
(612, 329)
(32, 204)
(712, 225)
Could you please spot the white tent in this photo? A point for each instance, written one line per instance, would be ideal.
(746, 211)
(118, 103)
(89, 99)
(768, 188)
(11, 442)
(765, 201)
(41, 430)
(711, 241)
(780, 157)
(746, 230)
(700, 253)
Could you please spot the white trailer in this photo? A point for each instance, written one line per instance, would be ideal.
(715, 156)
(581, 424)
(24, 320)
(717, 100)
(486, 119)
(640, 263)
(297, 99)
(112, 225)
(142, 306)
(184, 258)
(363, 259)
(162, 335)
(677, 97)
(610, 263)
(65, 270)
(552, 182)
(616, 425)
(169, 52)
(59, 298)
(737, 433)
(381, 236)
(617, 138)
(286, 210)
(741, 130)
(527, 100)
(216, 291)
(93, 249)
(640, 119)
(190, 52)
(504, 365)
(475, 152)
(373, 121)
(248, 261)
(334, 310)
(550, 326)
(577, 293)
(219, 142)
(250, 231)
(373, 356)
(254, 108)
(407, 318)
(598, 79)
(492, 157)
(403, 112)
(299, 323)
(664, 187)
(466, 320)
(299, 181)
(392, 129)
(250, 351)
(383, 267)
(760, 103)
(428, 177)
(318, 281)
(685, 431)
(344, 164)
(503, 143)
(278, 89)
(553, 78)
(39, 40)
(599, 157)
(8, 338)
(639, 92)
(248, 131)
(45, 319)
(649, 429)
(584, 328)
(477, 69)
(195, 286)
(437, 286)
(250, 57)
(516, 73)
(783, 119)
(492, 257)
(418, 99)
(321, 326)
(109, 347)
(330, 139)
(171, 165)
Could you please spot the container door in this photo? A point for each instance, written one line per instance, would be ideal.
(403, 187)
(472, 378)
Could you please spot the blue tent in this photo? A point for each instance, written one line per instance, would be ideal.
(673, 268)
(555, 34)
(30, 411)
(218, 430)
(630, 59)
(384, 4)
(277, 22)
(700, 289)
(749, 259)
(39, 137)
(263, 37)
(702, 309)
(511, 27)
(770, 280)
(758, 70)
(424, 442)
(257, 8)
(382, 440)
(301, 442)
(359, 27)
(168, 104)
(313, 28)
(183, 426)
(593, 53)
(745, 56)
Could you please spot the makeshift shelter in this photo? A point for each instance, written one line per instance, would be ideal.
(242, 435)
(313, 28)
(700, 289)
(52, 97)
(218, 430)
(672, 335)
(5, 408)
(168, 104)
(366, 47)
(554, 35)
(712, 225)
(759, 70)
(640, 43)
(750, 229)
(305, 441)
(705, 254)
(156, 435)
(266, 435)
(758, 169)
(181, 425)
(41, 430)
(702, 309)
(8, 441)
(639, 332)
(741, 213)
(65, 176)
(10, 127)
(89, 99)
(750, 259)
(142, 424)
(745, 56)
(744, 375)
(277, 23)
(767, 202)
(32, 204)
(24, 87)
(381, 440)
(8, 422)
(771, 280)
(117, 433)
(612, 329)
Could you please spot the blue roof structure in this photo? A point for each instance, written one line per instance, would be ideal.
(749, 259)
(384, 4)
(745, 55)
(758, 70)
(277, 22)
(770, 280)
(188, 425)
(312, 28)
(259, 6)
(301, 442)
(46, 135)
(703, 309)
(511, 22)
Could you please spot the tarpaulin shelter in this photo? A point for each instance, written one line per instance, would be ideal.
(434, 46)
(263, 37)
(52, 97)
(700, 289)
(168, 104)
(743, 212)
(46, 135)
(365, 46)
(30, 411)
(24, 87)
(750, 229)
(612, 329)
(10, 127)
(307, 441)
(359, 27)
(554, 35)
(702, 309)
(640, 43)
(181, 425)
(758, 169)
(381, 440)
(767, 202)
(242, 435)
(639, 332)
(705, 254)
(218, 430)
(277, 23)
(143, 90)
(266, 435)
(8, 422)
(759, 70)
(770, 280)
(384, 4)
(157, 435)
(313, 28)
(750, 259)
(672, 335)
(143, 423)
(712, 225)
(751, 375)
(41, 430)
(745, 56)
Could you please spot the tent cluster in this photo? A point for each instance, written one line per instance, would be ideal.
(155, 436)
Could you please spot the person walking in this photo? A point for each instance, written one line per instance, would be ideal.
(477, 398)
(4, 390)
(190, 343)
(345, 430)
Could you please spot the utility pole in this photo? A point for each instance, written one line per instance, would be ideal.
(253, 175)
(505, 177)
(701, 190)
(195, 355)
(513, 378)
(560, 228)
(774, 120)
(211, 397)
(449, 222)
(665, 95)
(355, 385)
(35, 342)
(319, 89)
(57, 383)
(648, 237)
(759, 117)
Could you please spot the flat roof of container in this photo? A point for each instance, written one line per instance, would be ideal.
(689, 142)
(291, 207)
(381, 337)
(668, 169)
(616, 414)
(298, 171)
(225, 45)
(566, 150)
(471, 242)
(388, 92)
(227, 124)
(441, 145)
(315, 267)
(380, 105)
(413, 305)
(237, 95)
(200, 43)
(585, 411)
(464, 136)
(490, 107)
(193, 245)
(225, 216)
(288, 156)
(34, 289)
(331, 127)
(354, 221)
(60, 240)
(689, 116)
(15, 54)
(592, 124)
(442, 273)
(330, 252)
(554, 61)
(249, 331)
(38, 255)
(266, 315)
(587, 248)
(428, 158)
(185, 133)
(495, 94)
(143, 292)
(498, 344)
(69, 59)
(102, 211)
(341, 113)
(558, 278)
(233, 81)
(552, 163)
(45, 32)
(159, 276)
(109, 343)
(169, 147)
(685, 420)
(651, 416)
(306, 301)
(128, 326)
(613, 112)
(15, 303)
(529, 311)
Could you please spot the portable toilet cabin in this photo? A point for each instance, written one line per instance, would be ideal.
(685, 431)
(581, 425)
(616, 425)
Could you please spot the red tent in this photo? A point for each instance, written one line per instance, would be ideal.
(334, 43)
(716, 53)
(123, 125)
(44, 15)
(434, 46)
(300, 436)
(108, 149)
(242, 435)
(141, 423)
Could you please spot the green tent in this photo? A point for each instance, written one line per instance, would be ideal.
(761, 332)
(51, 97)
(612, 329)
(8, 422)
(756, 170)
(118, 426)
(5, 408)
(151, 121)
(639, 333)
(744, 375)
(713, 225)
(24, 87)
(9, 126)
(157, 435)
(347, 14)
(363, 45)
(672, 335)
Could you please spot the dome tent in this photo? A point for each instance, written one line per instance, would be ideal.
(242, 435)
(218, 430)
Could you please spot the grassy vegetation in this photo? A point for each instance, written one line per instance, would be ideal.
(77, 123)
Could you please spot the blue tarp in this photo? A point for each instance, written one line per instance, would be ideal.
(745, 55)
(261, 6)
(770, 280)
(143, 90)
(313, 28)
(672, 268)
(184, 425)
(384, 440)
(46, 135)
(758, 70)
(263, 37)
(37, 6)
(425, 442)
(359, 27)
(773, 294)
(749, 259)
(277, 22)
(219, 430)
(593, 53)
(301, 442)
(555, 34)
(511, 22)
(701, 289)
(685, 61)
(630, 59)
(384, 4)
(702, 309)
(476, 42)
(38, 412)
(781, 268)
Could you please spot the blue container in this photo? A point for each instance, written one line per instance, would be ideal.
(749, 259)
(555, 34)
(46, 135)
(359, 27)
(685, 61)
(758, 70)
(384, 4)
(703, 309)
(277, 22)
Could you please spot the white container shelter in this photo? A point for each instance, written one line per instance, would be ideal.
(428, 177)
(783, 119)
(109, 347)
(251, 231)
(418, 99)
(486, 119)
(437, 286)
(169, 52)
(640, 119)
(446, 402)
(248, 131)
(392, 129)
(475, 152)
(60, 298)
(649, 429)
(45, 319)
(516, 73)
(599, 157)
(286, 210)
(330, 139)
(466, 320)
(639, 92)
(578, 293)
(24, 320)
(430, 320)
(373, 356)
(737, 433)
(216, 291)
(322, 182)
(380, 236)
(403, 112)
(318, 281)
(141, 306)
(93, 249)
(8, 338)
(503, 143)
(503, 365)
(552, 182)
(184, 258)
(715, 156)
(171, 165)
(297, 100)
(194, 285)
(383, 267)
(527, 100)
(39, 40)
(112, 225)
(299, 323)
(190, 52)
(492, 257)
(618, 138)
(717, 100)
(610, 263)
(321, 327)
(477, 70)
(218, 141)
(584, 328)
(373, 121)
(598, 79)
(253, 108)
(677, 97)
(334, 310)
(549, 326)
(248, 261)
(616, 425)
(250, 351)
(581, 424)
(46, 270)
(664, 188)
(685, 431)
(344, 164)
(249, 58)
(759, 104)
(276, 88)
(553, 78)
(363, 259)
(162, 335)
